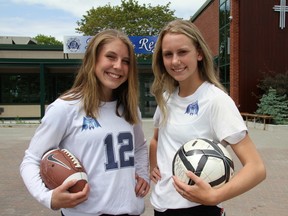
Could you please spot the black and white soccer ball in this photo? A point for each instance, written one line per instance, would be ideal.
(207, 159)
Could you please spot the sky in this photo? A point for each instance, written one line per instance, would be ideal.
(58, 18)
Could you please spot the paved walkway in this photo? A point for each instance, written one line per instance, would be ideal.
(268, 198)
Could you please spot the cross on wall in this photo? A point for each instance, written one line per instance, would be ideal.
(282, 8)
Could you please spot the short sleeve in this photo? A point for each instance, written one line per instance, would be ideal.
(226, 119)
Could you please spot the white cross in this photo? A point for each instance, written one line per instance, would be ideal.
(282, 8)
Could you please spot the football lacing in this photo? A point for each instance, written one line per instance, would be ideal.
(73, 158)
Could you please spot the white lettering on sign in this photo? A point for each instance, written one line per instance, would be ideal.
(145, 44)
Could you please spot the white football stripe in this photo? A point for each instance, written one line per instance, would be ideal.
(47, 153)
(77, 176)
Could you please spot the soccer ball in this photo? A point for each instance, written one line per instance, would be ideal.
(207, 159)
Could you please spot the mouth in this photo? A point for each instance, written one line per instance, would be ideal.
(178, 70)
(113, 75)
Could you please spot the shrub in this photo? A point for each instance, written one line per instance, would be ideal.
(275, 105)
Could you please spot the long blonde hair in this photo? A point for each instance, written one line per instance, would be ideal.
(163, 82)
(87, 87)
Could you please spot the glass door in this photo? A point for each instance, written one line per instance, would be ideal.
(147, 101)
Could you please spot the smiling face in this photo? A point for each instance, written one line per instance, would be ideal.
(180, 58)
(112, 66)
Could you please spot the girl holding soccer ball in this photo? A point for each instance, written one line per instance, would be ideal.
(192, 103)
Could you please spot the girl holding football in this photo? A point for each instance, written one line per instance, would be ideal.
(193, 104)
(97, 120)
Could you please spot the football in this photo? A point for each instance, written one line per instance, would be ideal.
(207, 159)
(58, 166)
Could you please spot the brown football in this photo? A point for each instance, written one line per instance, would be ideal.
(58, 166)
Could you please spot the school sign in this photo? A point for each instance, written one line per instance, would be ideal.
(78, 44)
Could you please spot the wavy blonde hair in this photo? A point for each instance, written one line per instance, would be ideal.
(163, 82)
(87, 86)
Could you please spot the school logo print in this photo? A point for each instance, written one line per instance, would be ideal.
(73, 44)
(192, 109)
(90, 123)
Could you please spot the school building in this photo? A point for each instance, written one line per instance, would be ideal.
(32, 76)
(247, 39)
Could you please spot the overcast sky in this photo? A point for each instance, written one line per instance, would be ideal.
(57, 18)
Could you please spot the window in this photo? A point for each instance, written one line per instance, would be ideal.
(24, 88)
(20, 88)
(56, 84)
(224, 42)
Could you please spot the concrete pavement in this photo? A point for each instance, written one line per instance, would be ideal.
(268, 198)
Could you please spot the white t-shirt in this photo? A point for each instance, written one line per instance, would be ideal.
(208, 113)
(110, 149)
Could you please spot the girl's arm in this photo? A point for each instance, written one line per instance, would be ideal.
(250, 175)
(154, 170)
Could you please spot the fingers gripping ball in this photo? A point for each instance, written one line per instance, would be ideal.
(207, 159)
(59, 166)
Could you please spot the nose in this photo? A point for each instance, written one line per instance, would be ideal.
(175, 59)
(117, 64)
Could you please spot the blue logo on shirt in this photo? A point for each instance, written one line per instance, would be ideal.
(192, 108)
(90, 123)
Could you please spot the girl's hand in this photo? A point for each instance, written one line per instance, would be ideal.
(142, 187)
(201, 192)
(62, 198)
(155, 175)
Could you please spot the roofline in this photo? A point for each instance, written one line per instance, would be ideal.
(15, 61)
(31, 47)
(200, 10)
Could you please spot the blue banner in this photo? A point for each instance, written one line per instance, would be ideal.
(78, 44)
(143, 44)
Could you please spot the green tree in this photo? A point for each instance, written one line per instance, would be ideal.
(47, 40)
(130, 17)
(275, 105)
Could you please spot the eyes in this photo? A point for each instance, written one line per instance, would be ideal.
(114, 58)
(180, 53)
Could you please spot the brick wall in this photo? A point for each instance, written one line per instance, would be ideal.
(234, 52)
(208, 24)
